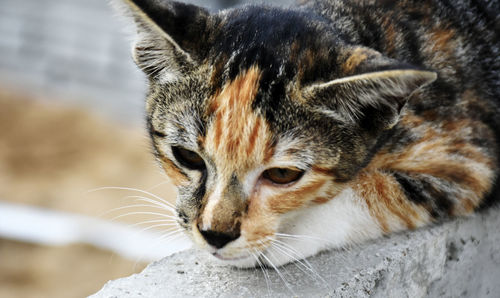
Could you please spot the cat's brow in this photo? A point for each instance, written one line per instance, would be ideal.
(293, 151)
(184, 131)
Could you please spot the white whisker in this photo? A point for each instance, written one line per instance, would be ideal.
(130, 189)
(170, 233)
(143, 213)
(168, 236)
(276, 259)
(298, 258)
(154, 202)
(169, 221)
(294, 259)
(153, 221)
(256, 255)
(157, 185)
(299, 237)
(278, 272)
(133, 206)
(159, 225)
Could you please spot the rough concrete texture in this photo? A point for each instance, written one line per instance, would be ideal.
(460, 258)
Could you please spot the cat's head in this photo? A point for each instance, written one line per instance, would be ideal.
(256, 113)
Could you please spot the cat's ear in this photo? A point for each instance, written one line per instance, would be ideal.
(373, 100)
(170, 35)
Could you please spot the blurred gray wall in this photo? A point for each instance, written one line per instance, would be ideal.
(76, 50)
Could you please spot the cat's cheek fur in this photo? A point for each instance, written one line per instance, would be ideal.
(340, 222)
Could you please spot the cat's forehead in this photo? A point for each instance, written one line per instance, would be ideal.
(282, 43)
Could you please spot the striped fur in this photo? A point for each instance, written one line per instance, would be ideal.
(388, 109)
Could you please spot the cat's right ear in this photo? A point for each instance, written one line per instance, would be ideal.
(170, 36)
(373, 100)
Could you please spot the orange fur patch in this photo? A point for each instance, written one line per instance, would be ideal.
(332, 173)
(332, 186)
(442, 38)
(236, 130)
(444, 152)
(387, 203)
(292, 200)
(321, 200)
(357, 57)
(258, 223)
(173, 172)
(323, 171)
(253, 137)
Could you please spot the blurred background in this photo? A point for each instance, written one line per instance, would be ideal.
(81, 199)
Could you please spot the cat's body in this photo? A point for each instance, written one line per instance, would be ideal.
(291, 131)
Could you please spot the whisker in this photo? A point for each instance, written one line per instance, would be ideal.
(256, 255)
(299, 237)
(162, 215)
(169, 221)
(157, 185)
(143, 213)
(132, 206)
(154, 202)
(292, 250)
(275, 258)
(153, 221)
(159, 225)
(295, 260)
(130, 189)
(278, 272)
(169, 233)
(169, 236)
(299, 258)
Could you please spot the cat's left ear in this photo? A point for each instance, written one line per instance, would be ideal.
(373, 100)
(171, 36)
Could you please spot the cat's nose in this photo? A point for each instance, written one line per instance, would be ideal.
(219, 239)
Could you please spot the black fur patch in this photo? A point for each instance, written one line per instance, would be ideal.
(420, 191)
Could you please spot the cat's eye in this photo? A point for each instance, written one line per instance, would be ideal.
(188, 158)
(282, 175)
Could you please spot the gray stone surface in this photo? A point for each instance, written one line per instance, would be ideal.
(460, 258)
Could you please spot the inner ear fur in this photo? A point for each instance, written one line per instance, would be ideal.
(170, 35)
(373, 99)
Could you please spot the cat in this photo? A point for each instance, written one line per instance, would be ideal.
(289, 131)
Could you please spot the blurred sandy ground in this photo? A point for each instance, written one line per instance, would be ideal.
(50, 156)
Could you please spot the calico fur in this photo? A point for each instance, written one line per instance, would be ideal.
(390, 109)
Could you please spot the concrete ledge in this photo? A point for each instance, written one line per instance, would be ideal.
(460, 258)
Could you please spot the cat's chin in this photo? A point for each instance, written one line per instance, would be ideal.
(240, 262)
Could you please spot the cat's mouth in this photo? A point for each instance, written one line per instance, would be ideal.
(225, 258)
